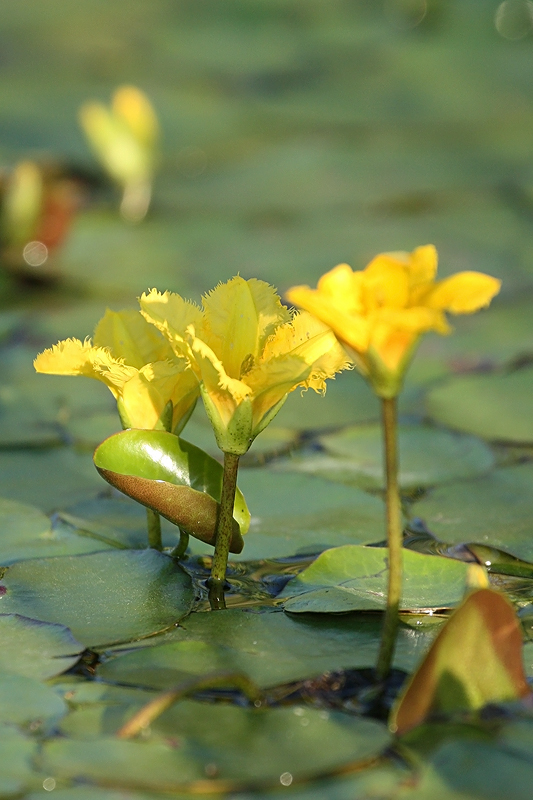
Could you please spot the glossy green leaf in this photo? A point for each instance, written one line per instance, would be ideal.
(476, 659)
(104, 597)
(496, 407)
(36, 649)
(495, 510)
(299, 514)
(427, 456)
(171, 476)
(245, 744)
(354, 578)
(270, 647)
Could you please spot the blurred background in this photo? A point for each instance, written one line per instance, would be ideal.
(295, 134)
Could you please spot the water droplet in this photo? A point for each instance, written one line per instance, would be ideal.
(49, 784)
(35, 254)
(514, 19)
(285, 779)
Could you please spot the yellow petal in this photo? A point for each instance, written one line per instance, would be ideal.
(239, 316)
(344, 287)
(386, 283)
(147, 392)
(272, 380)
(225, 392)
(129, 336)
(351, 329)
(135, 109)
(171, 315)
(72, 357)
(423, 263)
(463, 293)
(309, 338)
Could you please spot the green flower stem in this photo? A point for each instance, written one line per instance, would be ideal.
(224, 531)
(181, 547)
(394, 539)
(153, 521)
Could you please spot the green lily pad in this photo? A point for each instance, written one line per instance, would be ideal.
(427, 456)
(26, 700)
(28, 533)
(348, 399)
(496, 407)
(469, 769)
(110, 522)
(354, 578)
(104, 597)
(173, 477)
(270, 647)
(17, 753)
(36, 649)
(245, 744)
(49, 479)
(89, 431)
(495, 510)
(299, 514)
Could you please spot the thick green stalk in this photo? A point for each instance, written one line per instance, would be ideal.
(224, 532)
(153, 521)
(394, 539)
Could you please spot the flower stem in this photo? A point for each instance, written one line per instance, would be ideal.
(224, 532)
(394, 539)
(154, 529)
(181, 547)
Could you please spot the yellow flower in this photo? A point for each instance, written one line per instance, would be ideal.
(380, 312)
(153, 387)
(248, 353)
(124, 138)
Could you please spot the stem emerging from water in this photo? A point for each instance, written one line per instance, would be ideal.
(394, 539)
(153, 521)
(224, 532)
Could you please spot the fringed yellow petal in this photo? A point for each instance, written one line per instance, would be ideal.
(147, 392)
(224, 391)
(133, 106)
(464, 292)
(239, 316)
(272, 380)
(72, 357)
(129, 336)
(171, 315)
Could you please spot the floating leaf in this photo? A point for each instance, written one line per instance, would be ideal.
(104, 597)
(476, 659)
(48, 479)
(428, 456)
(17, 754)
(299, 514)
(495, 510)
(270, 647)
(496, 407)
(354, 578)
(173, 477)
(36, 649)
(24, 700)
(245, 744)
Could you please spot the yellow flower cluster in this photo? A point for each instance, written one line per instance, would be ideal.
(247, 351)
(153, 387)
(380, 312)
(244, 351)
